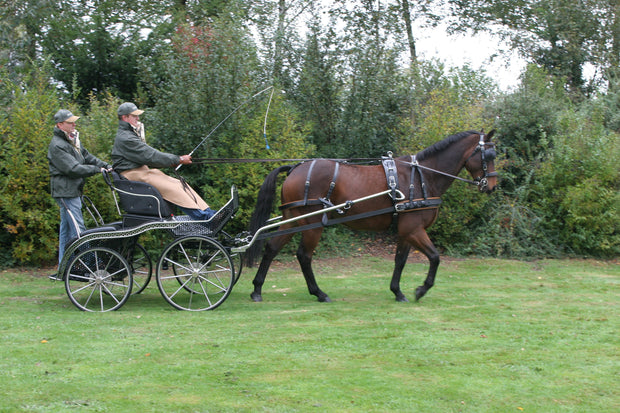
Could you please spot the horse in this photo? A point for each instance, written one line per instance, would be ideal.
(314, 185)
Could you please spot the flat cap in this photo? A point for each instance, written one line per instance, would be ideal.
(64, 115)
(129, 108)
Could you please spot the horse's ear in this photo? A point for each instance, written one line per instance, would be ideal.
(489, 135)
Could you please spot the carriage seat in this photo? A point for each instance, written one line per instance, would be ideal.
(106, 228)
(139, 198)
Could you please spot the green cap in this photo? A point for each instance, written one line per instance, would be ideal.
(63, 115)
(129, 108)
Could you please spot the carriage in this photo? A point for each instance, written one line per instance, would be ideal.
(201, 262)
(105, 265)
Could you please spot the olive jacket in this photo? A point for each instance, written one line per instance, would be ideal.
(136, 161)
(69, 165)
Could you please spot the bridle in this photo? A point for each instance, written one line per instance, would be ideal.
(486, 154)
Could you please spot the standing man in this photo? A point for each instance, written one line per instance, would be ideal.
(137, 161)
(69, 165)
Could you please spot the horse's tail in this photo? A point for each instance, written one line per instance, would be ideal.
(262, 212)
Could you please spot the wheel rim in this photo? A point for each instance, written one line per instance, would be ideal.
(98, 279)
(198, 273)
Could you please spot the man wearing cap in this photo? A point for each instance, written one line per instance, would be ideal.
(69, 164)
(137, 161)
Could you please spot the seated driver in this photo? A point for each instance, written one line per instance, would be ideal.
(137, 161)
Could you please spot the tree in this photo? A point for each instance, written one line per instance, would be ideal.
(21, 28)
(411, 12)
(278, 22)
(376, 93)
(558, 35)
(95, 46)
(317, 93)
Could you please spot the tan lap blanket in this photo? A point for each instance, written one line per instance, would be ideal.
(171, 189)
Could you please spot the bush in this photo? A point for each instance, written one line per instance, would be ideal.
(29, 213)
(579, 187)
(591, 223)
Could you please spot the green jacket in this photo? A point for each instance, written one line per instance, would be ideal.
(70, 166)
(129, 151)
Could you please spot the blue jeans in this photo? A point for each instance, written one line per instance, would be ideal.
(68, 230)
(198, 214)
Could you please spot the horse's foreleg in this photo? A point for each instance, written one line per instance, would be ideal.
(402, 252)
(271, 251)
(422, 242)
(310, 240)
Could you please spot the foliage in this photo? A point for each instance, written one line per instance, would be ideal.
(30, 214)
(376, 94)
(559, 177)
(343, 87)
(96, 46)
(560, 36)
(286, 137)
(317, 95)
(580, 187)
(525, 120)
(21, 28)
(448, 103)
(512, 228)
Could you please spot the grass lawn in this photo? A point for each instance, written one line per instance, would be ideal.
(492, 336)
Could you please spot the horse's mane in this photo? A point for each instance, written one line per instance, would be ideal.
(441, 145)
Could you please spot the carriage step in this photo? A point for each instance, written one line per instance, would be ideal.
(54, 277)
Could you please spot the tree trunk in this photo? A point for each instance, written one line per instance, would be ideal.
(614, 58)
(410, 40)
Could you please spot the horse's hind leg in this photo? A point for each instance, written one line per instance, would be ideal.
(402, 252)
(271, 251)
(309, 241)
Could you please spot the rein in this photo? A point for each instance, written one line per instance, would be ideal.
(414, 164)
(480, 181)
(417, 165)
(259, 160)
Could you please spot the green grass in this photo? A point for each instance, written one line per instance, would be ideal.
(492, 336)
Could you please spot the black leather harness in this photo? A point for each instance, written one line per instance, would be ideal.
(391, 176)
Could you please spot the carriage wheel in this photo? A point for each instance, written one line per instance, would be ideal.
(98, 279)
(195, 273)
(237, 261)
(142, 267)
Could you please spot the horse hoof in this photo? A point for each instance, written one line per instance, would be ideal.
(257, 298)
(402, 299)
(325, 299)
(419, 293)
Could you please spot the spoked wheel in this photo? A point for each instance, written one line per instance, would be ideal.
(98, 279)
(195, 273)
(142, 267)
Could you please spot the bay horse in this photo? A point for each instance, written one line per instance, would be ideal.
(315, 185)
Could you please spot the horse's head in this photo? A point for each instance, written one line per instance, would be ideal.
(480, 163)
